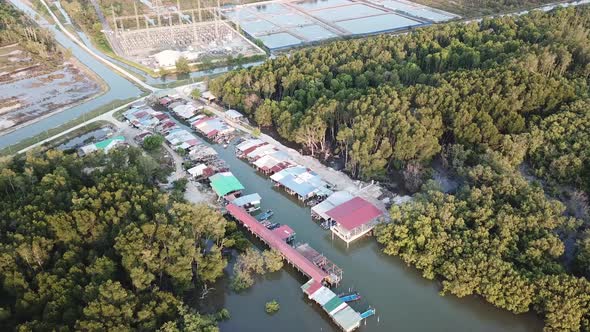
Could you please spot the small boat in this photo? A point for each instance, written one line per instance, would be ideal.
(225, 146)
(253, 208)
(266, 223)
(370, 312)
(326, 225)
(265, 215)
(350, 297)
(273, 226)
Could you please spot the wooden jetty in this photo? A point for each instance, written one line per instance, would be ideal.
(290, 254)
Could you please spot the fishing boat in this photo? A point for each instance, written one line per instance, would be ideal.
(265, 215)
(350, 297)
(370, 312)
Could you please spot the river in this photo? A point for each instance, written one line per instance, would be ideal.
(404, 300)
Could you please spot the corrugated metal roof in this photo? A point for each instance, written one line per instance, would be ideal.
(261, 151)
(347, 318)
(283, 232)
(197, 170)
(323, 295)
(331, 305)
(292, 255)
(331, 202)
(225, 183)
(248, 144)
(354, 213)
(103, 145)
(233, 114)
(248, 199)
(311, 287)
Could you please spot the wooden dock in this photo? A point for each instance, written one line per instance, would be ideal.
(290, 254)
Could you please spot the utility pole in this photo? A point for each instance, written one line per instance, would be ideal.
(217, 21)
(179, 12)
(157, 3)
(136, 16)
(114, 19)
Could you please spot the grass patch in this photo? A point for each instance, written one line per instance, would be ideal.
(54, 131)
(272, 307)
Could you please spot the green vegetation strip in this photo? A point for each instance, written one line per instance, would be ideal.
(54, 131)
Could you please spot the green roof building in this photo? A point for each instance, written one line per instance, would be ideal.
(104, 146)
(225, 183)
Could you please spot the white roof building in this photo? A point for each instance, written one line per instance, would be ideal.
(233, 115)
(167, 58)
(197, 170)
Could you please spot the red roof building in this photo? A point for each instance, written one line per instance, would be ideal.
(250, 149)
(161, 116)
(285, 233)
(354, 218)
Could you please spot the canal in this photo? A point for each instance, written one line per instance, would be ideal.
(404, 300)
(119, 88)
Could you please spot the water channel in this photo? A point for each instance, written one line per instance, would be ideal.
(119, 88)
(404, 300)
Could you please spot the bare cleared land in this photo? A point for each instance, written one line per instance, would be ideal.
(31, 89)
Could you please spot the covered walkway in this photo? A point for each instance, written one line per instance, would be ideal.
(289, 253)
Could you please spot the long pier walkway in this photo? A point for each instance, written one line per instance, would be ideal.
(289, 253)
